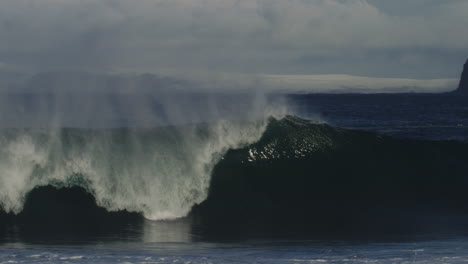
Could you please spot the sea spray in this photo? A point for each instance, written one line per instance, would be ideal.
(160, 172)
(138, 143)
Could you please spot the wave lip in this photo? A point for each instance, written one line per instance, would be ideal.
(160, 173)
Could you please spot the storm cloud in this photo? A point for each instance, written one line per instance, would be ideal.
(394, 40)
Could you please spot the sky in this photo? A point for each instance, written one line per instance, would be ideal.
(290, 45)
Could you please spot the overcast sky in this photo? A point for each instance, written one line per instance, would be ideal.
(401, 39)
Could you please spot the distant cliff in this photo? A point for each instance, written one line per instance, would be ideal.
(463, 86)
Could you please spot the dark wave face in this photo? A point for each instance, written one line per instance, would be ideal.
(332, 180)
(298, 173)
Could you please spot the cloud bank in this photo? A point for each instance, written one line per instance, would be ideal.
(423, 39)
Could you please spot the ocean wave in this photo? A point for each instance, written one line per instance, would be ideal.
(301, 169)
(276, 168)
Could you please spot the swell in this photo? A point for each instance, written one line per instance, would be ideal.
(294, 170)
(335, 179)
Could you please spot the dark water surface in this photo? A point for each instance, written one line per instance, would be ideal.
(160, 242)
(175, 242)
(438, 117)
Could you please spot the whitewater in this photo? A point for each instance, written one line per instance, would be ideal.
(159, 166)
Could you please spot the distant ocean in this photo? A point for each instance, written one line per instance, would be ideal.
(335, 179)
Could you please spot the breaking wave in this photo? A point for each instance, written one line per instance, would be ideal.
(276, 167)
(159, 172)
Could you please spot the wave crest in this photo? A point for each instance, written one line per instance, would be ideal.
(160, 173)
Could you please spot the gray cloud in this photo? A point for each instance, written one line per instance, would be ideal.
(422, 39)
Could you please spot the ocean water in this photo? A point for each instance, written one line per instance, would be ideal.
(440, 117)
(446, 251)
(338, 179)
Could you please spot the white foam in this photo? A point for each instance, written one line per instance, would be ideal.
(160, 175)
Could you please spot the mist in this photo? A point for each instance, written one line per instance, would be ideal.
(139, 143)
